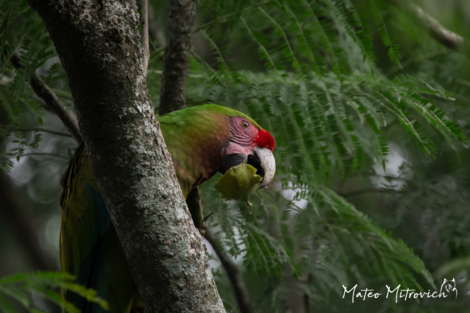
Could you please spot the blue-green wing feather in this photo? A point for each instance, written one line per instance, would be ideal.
(89, 248)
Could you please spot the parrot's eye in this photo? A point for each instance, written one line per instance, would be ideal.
(245, 124)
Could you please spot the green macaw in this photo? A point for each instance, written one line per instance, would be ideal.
(202, 140)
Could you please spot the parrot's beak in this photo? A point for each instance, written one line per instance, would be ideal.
(262, 160)
(264, 163)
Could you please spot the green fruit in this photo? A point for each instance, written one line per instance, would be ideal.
(239, 183)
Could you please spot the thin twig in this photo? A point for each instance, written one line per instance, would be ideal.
(368, 190)
(37, 153)
(238, 285)
(41, 130)
(52, 101)
(145, 33)
(159, 72)
(62, 93)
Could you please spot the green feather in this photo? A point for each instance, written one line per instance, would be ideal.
(209, 109)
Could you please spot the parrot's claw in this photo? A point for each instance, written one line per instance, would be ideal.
(250, 205)
(207, 217)
(203, 226)
(202, 229)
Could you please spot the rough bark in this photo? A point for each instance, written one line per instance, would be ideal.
(181, 16)
(98, 43)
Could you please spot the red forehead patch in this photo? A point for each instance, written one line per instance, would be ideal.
(265, 140)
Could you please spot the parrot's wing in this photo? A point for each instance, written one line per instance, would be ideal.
(89, 247)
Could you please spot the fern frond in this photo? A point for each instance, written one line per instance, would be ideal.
(290, 55)
(19, 286)
(386, 32)
(222, 64)
(264, 53)
(305, 45)
(325, 38)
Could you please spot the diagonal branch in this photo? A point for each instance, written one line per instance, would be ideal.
(368, 190)
(51, 100)
(40, 153)
(40, 130)
(444, 36)
(238, 285)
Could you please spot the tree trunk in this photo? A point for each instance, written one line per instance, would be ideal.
(181, 15)
(98, 43)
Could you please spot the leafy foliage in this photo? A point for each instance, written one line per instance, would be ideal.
(20, 286)
(313, 73)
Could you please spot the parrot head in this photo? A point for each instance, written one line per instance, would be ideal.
(210, 138)
(250, 144)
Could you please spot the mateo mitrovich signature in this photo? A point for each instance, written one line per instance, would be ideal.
(448, 288)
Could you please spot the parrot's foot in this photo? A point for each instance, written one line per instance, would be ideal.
(250, 205)
(202, 229)
(203, 226)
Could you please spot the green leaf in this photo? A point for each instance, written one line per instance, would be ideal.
(239, 183)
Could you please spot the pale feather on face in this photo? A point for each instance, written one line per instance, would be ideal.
(243, 134)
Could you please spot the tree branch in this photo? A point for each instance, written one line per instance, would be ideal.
(40, 130)
(145, 33)
(367, 190)
(101, 53)
(446, 37)
(177, 53)
(238, 284)
(40, 153)
(52, 101)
